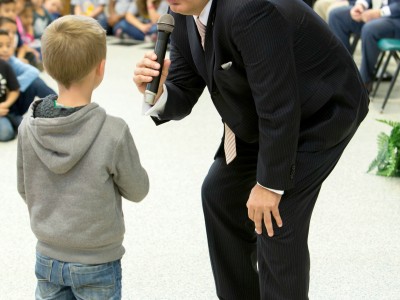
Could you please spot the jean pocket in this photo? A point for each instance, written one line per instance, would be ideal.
(94, 281)
(43, 267)
(43, 272)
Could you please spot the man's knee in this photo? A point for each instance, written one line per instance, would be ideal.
(370, 32)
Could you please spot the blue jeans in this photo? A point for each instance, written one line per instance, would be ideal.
(132, 31)
(66, 281)
(38, 88)
(6, 130)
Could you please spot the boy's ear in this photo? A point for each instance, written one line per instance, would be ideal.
(101, 68)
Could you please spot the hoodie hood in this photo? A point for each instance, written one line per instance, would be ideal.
(61, 142)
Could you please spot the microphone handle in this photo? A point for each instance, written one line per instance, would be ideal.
(160, 50)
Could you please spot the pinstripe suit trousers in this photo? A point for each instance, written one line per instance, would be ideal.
(250, 266)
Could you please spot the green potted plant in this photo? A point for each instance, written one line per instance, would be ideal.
(387, 162)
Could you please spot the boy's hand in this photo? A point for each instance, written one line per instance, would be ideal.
(148, 68)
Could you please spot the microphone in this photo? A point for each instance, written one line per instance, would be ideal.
(165, 25)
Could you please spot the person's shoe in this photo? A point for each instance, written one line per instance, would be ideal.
(386, 76)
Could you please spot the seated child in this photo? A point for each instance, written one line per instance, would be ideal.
(41, 18)
(79, 162)
(54, 8)
(31, 85)
(141, 19)
(9, 92)
(91, 8)
(26, 32)
(8, 11)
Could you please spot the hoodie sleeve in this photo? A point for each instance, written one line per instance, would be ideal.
(20, 169)
(129, 175)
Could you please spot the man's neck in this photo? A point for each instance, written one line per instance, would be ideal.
(205, 12)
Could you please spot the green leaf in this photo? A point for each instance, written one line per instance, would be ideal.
(387, 161)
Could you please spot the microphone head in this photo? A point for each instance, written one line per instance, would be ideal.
(166, 23)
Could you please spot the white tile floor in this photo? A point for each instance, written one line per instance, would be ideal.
(354, 238)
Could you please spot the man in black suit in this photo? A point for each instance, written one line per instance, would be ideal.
(293, 98)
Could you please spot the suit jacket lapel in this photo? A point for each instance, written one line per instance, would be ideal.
(196, 48)
(209, 45)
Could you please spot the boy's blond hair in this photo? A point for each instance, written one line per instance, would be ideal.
(72, 46)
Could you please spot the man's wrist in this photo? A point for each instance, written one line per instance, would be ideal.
(279, 192)
(385, 11)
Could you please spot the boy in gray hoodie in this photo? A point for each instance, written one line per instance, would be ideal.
(74, 164)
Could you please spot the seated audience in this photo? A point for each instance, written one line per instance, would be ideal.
(54, 8)
(9, 92)
(30, 83)
(141, 19)
(91, 8)
(372, 24)
(26, 32)
(41, 18)
(10, 21)
(116, 11)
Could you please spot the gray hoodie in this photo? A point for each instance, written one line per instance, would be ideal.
(72, 172)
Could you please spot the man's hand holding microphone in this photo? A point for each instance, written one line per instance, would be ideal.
(147, 76)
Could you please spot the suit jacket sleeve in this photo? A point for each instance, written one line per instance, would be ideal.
(184, 85)
(265, 40)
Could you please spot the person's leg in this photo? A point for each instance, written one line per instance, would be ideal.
(38, 88)
(335, 5)
(342, 25)
(7, 132)
(230, 233)
(48, 286)
(284, 260)
(371, 33)
(101, 281)
(131, 30)
(102, 19)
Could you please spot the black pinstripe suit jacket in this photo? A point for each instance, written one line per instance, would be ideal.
(291, 86)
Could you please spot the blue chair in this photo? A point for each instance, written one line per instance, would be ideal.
(392, 47)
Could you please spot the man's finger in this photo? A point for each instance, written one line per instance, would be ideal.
(258, 215)
(268, 223)
(250, 213)
(277, 217)
(151, 55)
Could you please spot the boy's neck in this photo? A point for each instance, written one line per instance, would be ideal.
(74, 96)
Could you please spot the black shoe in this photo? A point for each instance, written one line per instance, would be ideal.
(386, 76)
